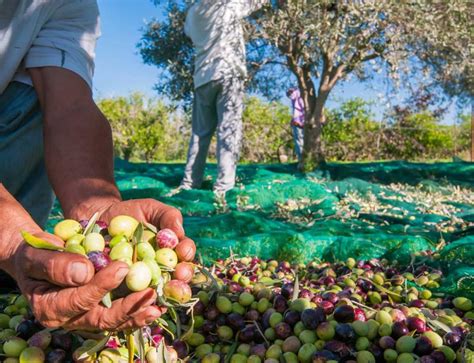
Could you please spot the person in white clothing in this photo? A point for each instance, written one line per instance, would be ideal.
(215, 28)
(55, 141)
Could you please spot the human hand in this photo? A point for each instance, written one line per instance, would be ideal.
(144, 210)
(63, 291)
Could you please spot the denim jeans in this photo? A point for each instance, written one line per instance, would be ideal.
(298, 138)
(22, 167)
(218, 106)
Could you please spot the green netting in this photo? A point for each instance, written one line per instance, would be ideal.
(362, 210)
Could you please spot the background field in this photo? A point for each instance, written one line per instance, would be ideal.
(391, 210)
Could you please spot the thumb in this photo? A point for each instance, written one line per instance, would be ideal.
(59, 268)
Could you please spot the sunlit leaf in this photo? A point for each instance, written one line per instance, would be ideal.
(36, 242)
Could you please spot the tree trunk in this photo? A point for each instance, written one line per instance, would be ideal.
(313, 154)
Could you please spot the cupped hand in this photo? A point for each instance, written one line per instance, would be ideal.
(146, 210)
(64, 291)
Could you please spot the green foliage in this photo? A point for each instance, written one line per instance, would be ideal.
(348, 131)
(351, 134)
(267, 132)
(147, 130)
(417, 135)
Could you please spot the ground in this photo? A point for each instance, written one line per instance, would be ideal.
(362, 210)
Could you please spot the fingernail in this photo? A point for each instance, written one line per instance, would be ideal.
(121, 273)
(79, 272)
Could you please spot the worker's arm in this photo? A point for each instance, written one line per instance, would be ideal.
(62, 287)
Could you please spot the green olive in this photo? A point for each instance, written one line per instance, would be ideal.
(32, 355)
(94, 242)
(166, 257)
(67, 228)
(75, 239)
(144, 249)
(122, 224)
(123, 250)
(14, 346)
(139, 276)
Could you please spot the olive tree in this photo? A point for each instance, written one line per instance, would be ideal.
(322, 42)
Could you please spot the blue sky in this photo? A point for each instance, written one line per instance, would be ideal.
(120, 70)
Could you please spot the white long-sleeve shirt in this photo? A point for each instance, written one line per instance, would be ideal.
(40, 33)
(215, 28)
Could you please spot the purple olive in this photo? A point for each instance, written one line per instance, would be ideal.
(259, 350)
(399, 329)
(345, 332)
(337, 347)
(287, 290)
(283, 330)
(280, 304)
(423, 346)
(209, 326)
(323, 356)
(452, 340)
(199, 308)
(417, 324)
(252, 315)
(56, 356)
(306, 294)
(247, 334)
(211, 339)
(344, 314)
(99, 259)
(387, 342)
(417, 304)
(292, 317)
(235, 321)
(221, 320)
(365, 285)
(311, 318)
(327, 306)
(26, 329)
(427, 359)
(439, 357)
(181, 348)
(211, 313)
(62, 340)
(331, 297)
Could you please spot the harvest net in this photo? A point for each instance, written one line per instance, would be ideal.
(392, 210)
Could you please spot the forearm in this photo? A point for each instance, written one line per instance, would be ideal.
(13, 220)
(79, 159)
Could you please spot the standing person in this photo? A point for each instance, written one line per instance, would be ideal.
(297, 120)
(215, 28)
(54, 141)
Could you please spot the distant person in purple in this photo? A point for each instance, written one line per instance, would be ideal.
(297, 120)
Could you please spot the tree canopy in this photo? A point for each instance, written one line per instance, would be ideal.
(321, 42)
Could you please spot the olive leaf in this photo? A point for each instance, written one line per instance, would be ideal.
(137, 235)
(438, 325)
(91, 224)
(36, 242)
(176, 320)
(190, 330)
(139, 343)
(381, 288)
(100, 344)
(231, 352)
(107, 300)
(130, 347)
(151, 227)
